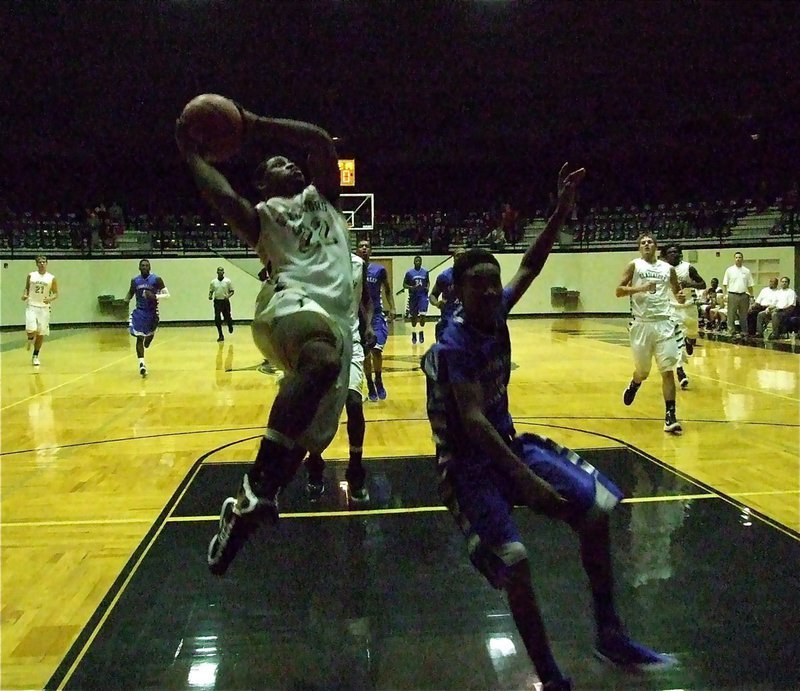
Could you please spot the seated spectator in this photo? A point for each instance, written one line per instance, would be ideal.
(708, 299)
(784, 307)
(497, 240)
(718, 314)
(765, 298)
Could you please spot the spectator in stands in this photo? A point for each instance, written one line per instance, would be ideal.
(765, 298)
(718, 314)
(737, 284)
(497, 240)
(709, 299)
(778, 313)
(117, 218)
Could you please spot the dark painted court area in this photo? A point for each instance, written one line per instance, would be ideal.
(388, 600)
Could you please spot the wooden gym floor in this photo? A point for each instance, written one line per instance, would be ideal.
(111, 485)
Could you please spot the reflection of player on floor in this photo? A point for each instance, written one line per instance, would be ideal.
(148, 289)
(485, 469)
(41, 290)
(417, 283)
(302, 322)
(220, 291)
(356, 426)
(685, 312)
(654, 331)
(443, 296)
(377, 283)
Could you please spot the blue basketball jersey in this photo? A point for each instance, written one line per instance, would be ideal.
(464, 354)
(141, 284)
(376, 274)
(417, 279)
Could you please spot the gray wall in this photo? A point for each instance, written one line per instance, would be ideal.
(594, 275)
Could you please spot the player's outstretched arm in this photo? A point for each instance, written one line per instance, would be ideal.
(535, 256)
(323, 162)
(214, 187)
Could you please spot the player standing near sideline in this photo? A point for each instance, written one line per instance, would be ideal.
(220, 291)
(41, 290)
(149, 289)
(685, 312)
(654, 331)
(354, 406)
(443, 295)
(417, 283)
(377, 283)
(303, 320)
(485, 468)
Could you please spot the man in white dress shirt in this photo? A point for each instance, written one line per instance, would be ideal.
(737, 286)
(765, 298)
(782, 307)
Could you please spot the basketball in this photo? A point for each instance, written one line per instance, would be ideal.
(215, 124)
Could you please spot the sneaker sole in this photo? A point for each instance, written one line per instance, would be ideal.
(220, 560)
(674, 428)
(215, 562)
(667, 662)
(360, 501)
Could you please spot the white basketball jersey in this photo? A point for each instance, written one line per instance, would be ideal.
(358, 290)
(651, 306)
(39, 286)
(682, 271)
(305, 238)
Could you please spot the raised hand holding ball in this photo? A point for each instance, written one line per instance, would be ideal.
(214, 124)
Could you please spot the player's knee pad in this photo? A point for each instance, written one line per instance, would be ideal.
(495, 564)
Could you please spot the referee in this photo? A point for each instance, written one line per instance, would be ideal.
(220, 291)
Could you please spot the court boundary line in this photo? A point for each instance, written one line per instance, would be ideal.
(164, 435)
(80, 646)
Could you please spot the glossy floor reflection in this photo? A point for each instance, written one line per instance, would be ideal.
(388, 600)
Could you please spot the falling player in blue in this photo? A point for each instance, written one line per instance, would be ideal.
(417, 283)
(443, 295)
(485, 468)
(377, 284)
(148, 289)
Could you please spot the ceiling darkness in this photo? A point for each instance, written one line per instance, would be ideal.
(441, 103)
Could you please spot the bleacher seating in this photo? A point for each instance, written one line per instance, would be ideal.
(693, 224)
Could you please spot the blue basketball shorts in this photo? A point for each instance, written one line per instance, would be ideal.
(143, 322)
(482, 498)
(381, 329)
(417, 303)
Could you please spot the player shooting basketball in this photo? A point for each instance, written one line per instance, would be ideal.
(302, 322)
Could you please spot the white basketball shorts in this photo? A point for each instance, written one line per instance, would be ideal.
(37, 319)
(660, 339)
(272, 307)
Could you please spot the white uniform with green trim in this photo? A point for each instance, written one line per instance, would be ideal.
(306, 239)
(654, 330)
